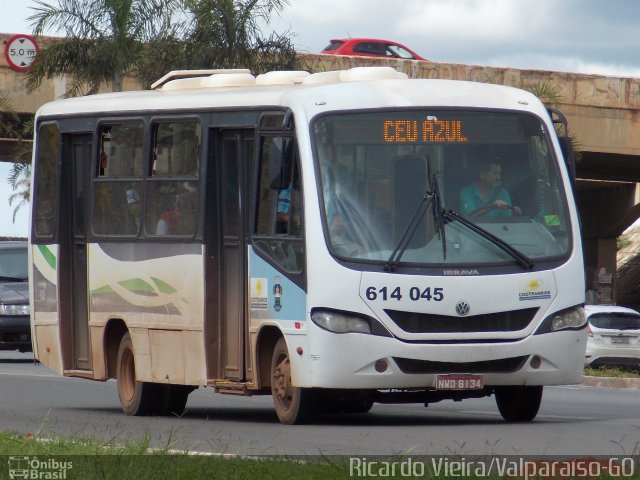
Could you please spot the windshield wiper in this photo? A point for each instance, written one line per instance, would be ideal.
(438, 211)
(524, 261)
(430, 197)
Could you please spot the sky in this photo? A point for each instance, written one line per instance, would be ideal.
(7, 227)
(581, 36)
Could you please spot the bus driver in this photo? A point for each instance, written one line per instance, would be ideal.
(485, 197)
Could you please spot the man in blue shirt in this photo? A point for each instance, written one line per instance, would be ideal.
(485, 197)
(282, 213)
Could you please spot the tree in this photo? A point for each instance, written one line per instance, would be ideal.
(227, 34)
(20, 175)
(220, 34)
(550, 95)
(103, 39)
(106, 39)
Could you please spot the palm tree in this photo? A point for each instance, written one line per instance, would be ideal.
(103, 39)
(20, 175)
(220, 34)
(227, 33)
(550, 95)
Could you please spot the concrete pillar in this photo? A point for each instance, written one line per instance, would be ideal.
(601, 274)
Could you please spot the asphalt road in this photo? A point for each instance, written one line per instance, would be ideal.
(575, 420)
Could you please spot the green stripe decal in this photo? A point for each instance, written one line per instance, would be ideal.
(163, 287)
(138, 285)
(103, 289)
(48, 255)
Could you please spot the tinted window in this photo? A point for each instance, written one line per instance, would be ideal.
(13, 263)
(615, 321)
(172, 190)
(279, 212)
(397, 51)
(371, 48)
(118, 186)
(46, 178)
(376, 167)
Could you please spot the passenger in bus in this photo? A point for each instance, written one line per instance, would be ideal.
(486, 197)
(166, 200)
(282, 210)
(104, 160)
(169, 222)
(133, 202)
(288, 211)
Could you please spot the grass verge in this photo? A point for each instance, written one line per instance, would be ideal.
(615, 372)
(87, 460)
(24, 456)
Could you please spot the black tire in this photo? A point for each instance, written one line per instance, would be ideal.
(358, 405)
(136, 398)
(293, 405)
(177, 399)
(518, 403)
(345, 401)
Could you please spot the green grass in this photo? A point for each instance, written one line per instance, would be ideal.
(64, 459)
(89, 459)
(615, 372)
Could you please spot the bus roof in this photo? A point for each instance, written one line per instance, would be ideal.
(357, 88)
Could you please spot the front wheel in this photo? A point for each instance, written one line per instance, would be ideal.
(518, 403)
(294, 405)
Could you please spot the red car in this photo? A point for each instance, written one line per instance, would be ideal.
(370, 47)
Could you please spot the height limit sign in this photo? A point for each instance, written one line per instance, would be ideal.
(20, 52)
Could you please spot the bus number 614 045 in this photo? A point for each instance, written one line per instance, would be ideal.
(415, 293)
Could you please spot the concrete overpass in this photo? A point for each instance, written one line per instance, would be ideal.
(603, 113)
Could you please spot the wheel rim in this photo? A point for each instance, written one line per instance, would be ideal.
(127, 376)
(281, 382)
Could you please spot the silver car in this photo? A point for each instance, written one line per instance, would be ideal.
(614, 336)
(15, 332)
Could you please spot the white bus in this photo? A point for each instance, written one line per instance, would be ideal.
(333, 239)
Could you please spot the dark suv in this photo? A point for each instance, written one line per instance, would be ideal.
(15, 332)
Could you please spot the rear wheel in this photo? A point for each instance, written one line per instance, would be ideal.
(294, 405)
(518, 403)
(177, 396)
(136, 397)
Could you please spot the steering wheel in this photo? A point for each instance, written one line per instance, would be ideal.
(488, 208)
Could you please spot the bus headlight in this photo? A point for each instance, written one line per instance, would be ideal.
(568, 319)
(14, 309)
(338, 322)
(572, 318)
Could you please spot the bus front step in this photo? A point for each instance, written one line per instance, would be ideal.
(232, 388)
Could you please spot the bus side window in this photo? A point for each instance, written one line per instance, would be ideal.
(46, 178)
(172, 191)
(278, 230)
(117, 184)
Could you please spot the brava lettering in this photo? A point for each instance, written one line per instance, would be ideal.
(428, 131)
(461, 272)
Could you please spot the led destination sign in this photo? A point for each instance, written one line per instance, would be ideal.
(444, 128)
(427, 131)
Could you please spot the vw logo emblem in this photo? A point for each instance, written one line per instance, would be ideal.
(462, 308)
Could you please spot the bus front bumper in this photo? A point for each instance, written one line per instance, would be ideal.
(363, 361)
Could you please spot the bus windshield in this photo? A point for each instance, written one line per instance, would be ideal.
(440, 187)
